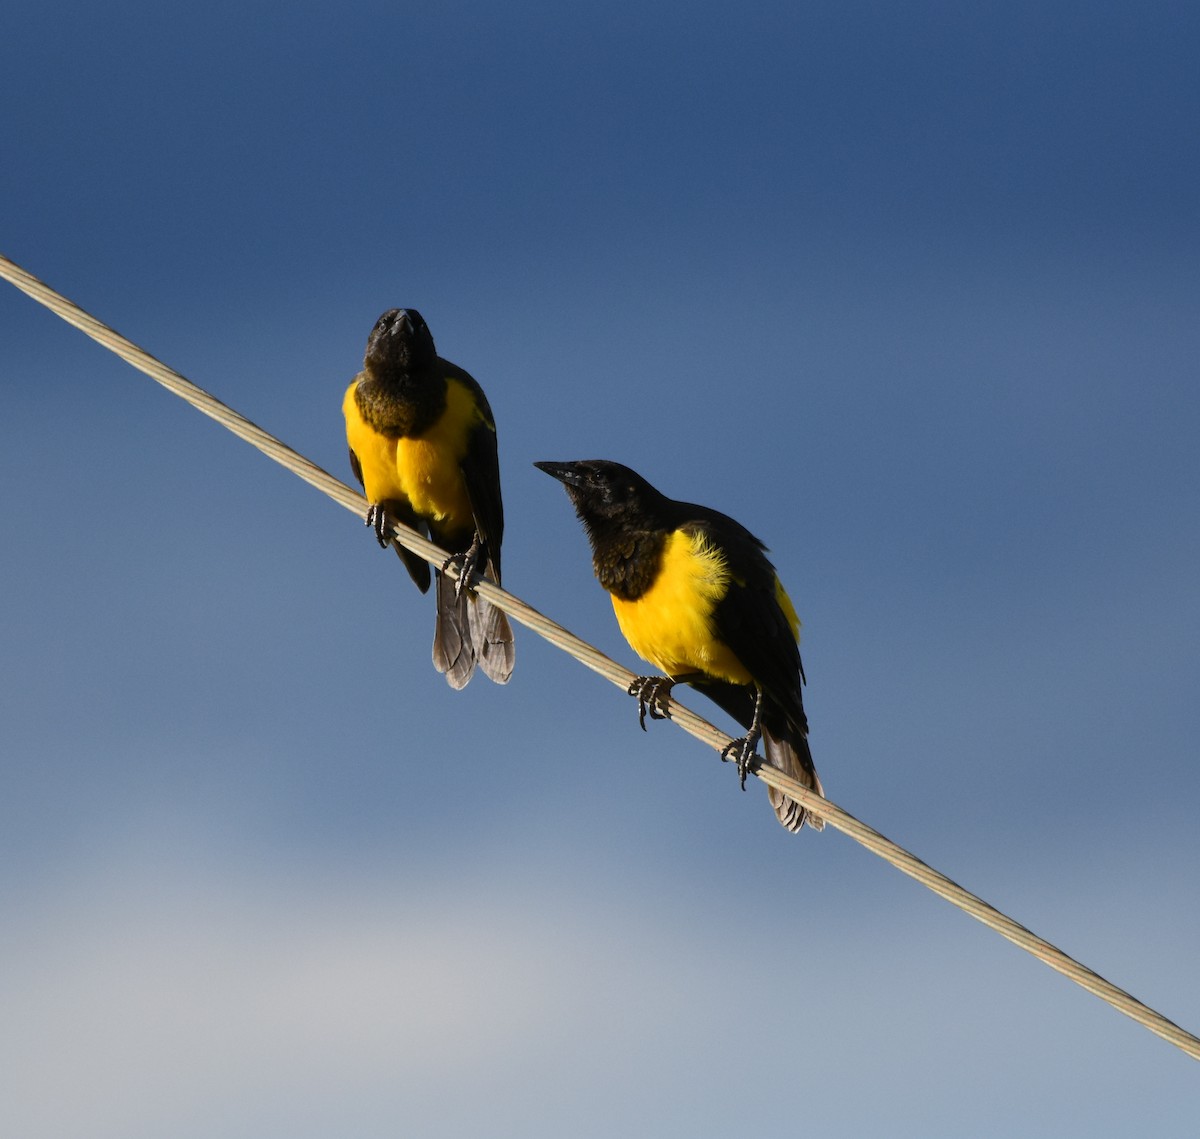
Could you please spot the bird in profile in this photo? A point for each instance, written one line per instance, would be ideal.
(423, 445)
(695, 595)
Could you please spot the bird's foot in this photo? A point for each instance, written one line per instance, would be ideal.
(743, 750)
(468, 563)
(652, 693)
(377, 519)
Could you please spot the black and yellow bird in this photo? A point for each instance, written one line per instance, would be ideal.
(695, 595)
(423, 445)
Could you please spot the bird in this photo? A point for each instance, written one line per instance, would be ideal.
(696, 596)
(422, 443)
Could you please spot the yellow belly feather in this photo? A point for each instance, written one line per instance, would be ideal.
(671, 624)
(426, 471)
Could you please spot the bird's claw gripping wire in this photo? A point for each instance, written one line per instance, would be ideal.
(377, 519)
(652, 693)
(742, 751)
(468, 563)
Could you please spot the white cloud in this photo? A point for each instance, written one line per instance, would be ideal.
(203, 993)
(172, 1000)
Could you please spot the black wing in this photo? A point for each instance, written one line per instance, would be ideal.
(749, 618)
(481, 473)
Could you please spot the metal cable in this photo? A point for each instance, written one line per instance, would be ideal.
(594, 659)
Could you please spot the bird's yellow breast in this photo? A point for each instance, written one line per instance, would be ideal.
(671, 624)
(425, 471)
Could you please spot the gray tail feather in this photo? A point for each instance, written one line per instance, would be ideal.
(492, 637)
(470, 631)
(790, 754)
(453, 648)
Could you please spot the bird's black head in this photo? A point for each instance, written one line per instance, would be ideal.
(399, 342)
(605, 494)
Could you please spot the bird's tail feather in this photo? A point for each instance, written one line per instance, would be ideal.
(788, 751)
(453, 647)
(492, 637)
(470, 631)
(785, 745)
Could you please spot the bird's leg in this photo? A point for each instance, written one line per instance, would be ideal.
(378, 519)
(468, 564)
(743, 749)
(652, 693)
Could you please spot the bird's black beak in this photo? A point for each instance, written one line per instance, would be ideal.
(567, 473)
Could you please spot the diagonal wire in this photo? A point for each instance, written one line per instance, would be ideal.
(590, 656)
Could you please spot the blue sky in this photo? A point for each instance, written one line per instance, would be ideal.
(910, 290)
